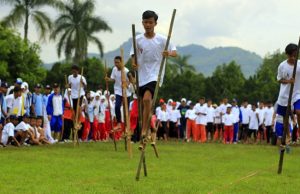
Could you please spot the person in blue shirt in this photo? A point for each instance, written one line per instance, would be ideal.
(37, 101)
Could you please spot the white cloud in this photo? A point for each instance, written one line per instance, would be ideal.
(259, 26)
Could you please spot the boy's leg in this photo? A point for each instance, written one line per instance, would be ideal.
(147, 103)
(203, 134)
(118, 111)
(231, 131)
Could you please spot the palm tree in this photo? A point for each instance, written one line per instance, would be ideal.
(75, 28)
(29, 9)
(181, 62)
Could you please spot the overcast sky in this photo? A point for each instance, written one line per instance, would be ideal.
(260, 26)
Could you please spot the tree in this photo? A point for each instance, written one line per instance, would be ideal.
(181, 62)
(75, 28)
(227, 80)
(93, 71)
(19, 59)
(29, 9)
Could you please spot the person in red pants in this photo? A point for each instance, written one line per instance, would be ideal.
(228, 120)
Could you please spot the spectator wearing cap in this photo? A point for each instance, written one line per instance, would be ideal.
(74, 84)
(55, 112)
(159, 107)
(162, 120)
(37, 101)
(237, 118)
(201, 120)
(174, 119)
(15, 105)
(183, 107)
(190, 122)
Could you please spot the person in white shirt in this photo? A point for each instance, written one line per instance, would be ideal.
(190, 122)
(74, 84)
(162, 119)
(116, 78)
(253, 123)
(101, 119)
(210, 121)
(261, 126)
(201, 120)
(174, 117)
(55, 110)
(285, 78)
(268, 117)
(229, 120)
(217, 123)
(237, 116)
(150, 51)
(8, 136)
(243, 133)
(158, 108)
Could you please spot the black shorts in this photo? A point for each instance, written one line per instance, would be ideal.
(149, 86)
(250, 131)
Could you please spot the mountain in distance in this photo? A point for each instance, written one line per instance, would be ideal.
(203, 59)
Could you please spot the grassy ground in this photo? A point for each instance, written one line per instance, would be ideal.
(181, 168)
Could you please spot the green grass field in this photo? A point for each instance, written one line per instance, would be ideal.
(181, 168)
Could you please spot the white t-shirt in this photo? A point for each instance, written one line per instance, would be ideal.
(163, 116)
(8, 131)
(201, 119)
(236, 113)
(157, 110)
(245, 115)
(190, 114)
(210, 114)
(268, 116)
(261, 115)
(217, 116)
(285, 71)
(174, 115)
(253, 124)
(15, 105)
(22, 126)
(75, 82)
(117, 76)
(149, 56)
(57, 105)
(228, 119)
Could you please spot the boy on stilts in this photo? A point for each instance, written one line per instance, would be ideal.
(150, 52)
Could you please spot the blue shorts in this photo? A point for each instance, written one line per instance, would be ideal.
(297, 105)
(281, 110)
(279, 127)
(56, 124)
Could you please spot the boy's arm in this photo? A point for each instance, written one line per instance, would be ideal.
(172, 53)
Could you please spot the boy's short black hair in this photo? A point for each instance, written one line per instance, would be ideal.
(17, 89)
(290, 48)
(39, 118)
(118, 57)
(150, 14)
(75, 67)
